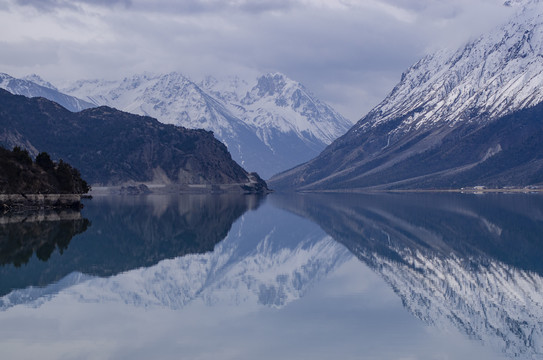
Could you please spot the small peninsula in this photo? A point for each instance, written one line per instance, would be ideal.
(27, 184)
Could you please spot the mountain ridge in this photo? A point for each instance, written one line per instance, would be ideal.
(268, 126)
(112, 147)
(35, 86)
(444, 104)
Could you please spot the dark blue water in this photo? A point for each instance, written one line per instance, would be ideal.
(312, 276)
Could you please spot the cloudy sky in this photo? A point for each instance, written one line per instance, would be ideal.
(350, 53)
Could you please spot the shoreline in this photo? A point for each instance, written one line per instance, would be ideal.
(461, 191)
(167, 189)
(31, 202)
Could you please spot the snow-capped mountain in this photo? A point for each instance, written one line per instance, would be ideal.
(494, 75)
(268, 127)
(35, 86)
(414, 137)
(277, 104)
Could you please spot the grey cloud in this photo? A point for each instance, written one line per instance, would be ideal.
(350, 58)
(29, 54)
(52, 5)
(214, 6)
(267, 5)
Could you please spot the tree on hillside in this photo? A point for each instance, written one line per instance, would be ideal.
(44, 161)
(20, 175)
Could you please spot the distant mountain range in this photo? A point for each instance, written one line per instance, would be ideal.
(111, 147)
(457, 118)
(35, 86)
(269, 126)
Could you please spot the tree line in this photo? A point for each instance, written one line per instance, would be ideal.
(19, 174)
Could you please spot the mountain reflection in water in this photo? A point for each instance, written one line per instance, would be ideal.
(473, 262)
(126, 233)
(307, 270)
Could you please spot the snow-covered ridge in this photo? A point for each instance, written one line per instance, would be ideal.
(268, 126)
(36, 79)
(277, 104)
(35, 86)
(494, 75)
(171, 98)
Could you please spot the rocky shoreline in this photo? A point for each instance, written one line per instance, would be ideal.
(30, 202)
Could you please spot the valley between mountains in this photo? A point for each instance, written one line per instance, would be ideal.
(466, 117)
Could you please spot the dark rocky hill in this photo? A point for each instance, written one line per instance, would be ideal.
(111, 147)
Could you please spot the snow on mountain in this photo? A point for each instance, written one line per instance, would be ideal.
(36, 79)
(268, 127)
(171, 98)
(446, 124)
(277, 103)
(494, 75)
(34, 86)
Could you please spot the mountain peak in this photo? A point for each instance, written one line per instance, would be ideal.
(261, 122)
(36, 79)
(496, 74)
(271, 84)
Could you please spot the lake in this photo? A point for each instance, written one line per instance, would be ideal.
(294, 276)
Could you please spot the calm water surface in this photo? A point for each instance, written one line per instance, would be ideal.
(320, 276)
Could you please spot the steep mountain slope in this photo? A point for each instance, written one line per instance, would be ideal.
(277, 105)
(113, 147)
(437, 128)
(268, 127)
(34, 86)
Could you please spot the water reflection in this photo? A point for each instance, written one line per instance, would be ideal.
(23, 234)
(270, 260)
(299, 277)
(126, 233)
(462, 261)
